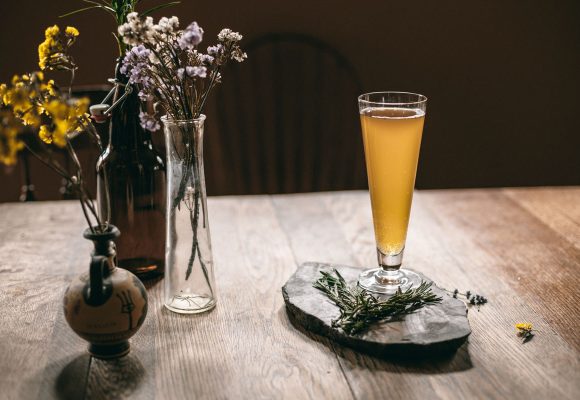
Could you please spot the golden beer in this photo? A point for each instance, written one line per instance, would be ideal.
(392, 138)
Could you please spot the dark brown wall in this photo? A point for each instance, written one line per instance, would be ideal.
(502, 75)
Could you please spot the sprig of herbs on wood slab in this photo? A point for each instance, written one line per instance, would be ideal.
(359, 309)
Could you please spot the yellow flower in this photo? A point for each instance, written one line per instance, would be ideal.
(524, 326)
(66, 117)
(56, 108)
(49, 52)
(45, 134)
(3, 91)
(48, 88)
(55, 136)
(31, 118)
(52, 31)
(81, 106)
(71, 31)
(60, 137)
(10, 144)
(17, 80)
(524, 330)
(43, 53)
(37, 76)
(53, 51)
(23, 97)
(59, 112)
(51, 87)
(18, 98)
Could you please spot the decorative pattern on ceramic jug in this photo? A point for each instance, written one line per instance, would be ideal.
(118, 318)
(107, 305)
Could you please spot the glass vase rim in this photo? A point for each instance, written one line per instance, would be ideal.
(166, 119)
(421, 99)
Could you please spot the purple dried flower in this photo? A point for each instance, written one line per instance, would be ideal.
(215, 51)
(192, 72)
(200, 72)
(136, 65)
(191, 36)
(143, 95)
(149, 121)
(206, 58)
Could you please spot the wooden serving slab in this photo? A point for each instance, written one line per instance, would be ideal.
(439, 328)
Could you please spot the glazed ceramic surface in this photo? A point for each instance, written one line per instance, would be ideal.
(120, 315)
(106, 305)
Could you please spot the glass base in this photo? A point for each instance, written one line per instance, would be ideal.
(379, 280)
(190, 304)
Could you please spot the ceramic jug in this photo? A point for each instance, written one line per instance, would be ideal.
(107, 305)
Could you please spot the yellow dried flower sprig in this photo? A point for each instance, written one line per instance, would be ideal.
(40, 105)
(33, 113)
(31, 101)
(53, 52)
(10, 143)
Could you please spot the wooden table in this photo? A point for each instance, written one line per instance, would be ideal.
(519, 247)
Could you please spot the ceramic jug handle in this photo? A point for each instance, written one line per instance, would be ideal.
(97, 274)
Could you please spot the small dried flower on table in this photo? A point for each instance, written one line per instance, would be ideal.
(524, 330)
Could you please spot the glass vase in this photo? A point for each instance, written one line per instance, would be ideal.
(189, 275)
(136, 188)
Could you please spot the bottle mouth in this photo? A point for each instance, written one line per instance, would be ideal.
(111, 233)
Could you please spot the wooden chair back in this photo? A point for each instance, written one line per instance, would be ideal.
(286, 120)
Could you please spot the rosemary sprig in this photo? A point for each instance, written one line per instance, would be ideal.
(471, 299)
(359, 309)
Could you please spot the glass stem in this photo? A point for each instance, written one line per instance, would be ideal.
(390, 262)
(389, 274)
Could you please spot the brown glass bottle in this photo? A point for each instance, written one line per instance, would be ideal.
(136, 189)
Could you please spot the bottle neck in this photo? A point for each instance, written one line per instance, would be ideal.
(104, 248)
(125, 131)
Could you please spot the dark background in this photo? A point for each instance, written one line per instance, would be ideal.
(502, 76)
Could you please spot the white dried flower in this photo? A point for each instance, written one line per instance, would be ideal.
(227, 35)
(136, 31)
(133, 17)
(189, 197)
(239, 55)
(153, 58)
(167, 25)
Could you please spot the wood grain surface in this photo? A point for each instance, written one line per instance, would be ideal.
(519, 247)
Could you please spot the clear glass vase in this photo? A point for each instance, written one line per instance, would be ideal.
(189, 275)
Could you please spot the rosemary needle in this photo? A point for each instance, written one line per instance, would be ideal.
(359, 309)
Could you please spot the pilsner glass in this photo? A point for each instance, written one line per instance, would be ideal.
(392, 126)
